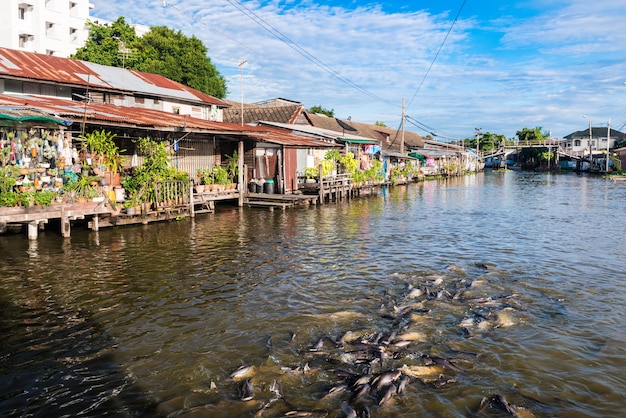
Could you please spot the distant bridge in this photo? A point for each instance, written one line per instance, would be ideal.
(508, 148)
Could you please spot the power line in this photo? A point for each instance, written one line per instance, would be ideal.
(437, 54)
(293, 45)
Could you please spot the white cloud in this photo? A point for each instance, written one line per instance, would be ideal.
(548, 67)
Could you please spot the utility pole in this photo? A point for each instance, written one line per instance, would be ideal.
(402, 135)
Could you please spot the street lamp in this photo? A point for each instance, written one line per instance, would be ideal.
(590, 136)
(241, 64)
(608, 144)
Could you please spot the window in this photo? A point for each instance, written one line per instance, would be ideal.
(21, 13)
(25, 40)
(176, 110)
(577, 143)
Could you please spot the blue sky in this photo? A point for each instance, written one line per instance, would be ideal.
(498, 67)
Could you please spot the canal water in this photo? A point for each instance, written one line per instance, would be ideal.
(515, 279)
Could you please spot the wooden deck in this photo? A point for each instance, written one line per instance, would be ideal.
(282, 201)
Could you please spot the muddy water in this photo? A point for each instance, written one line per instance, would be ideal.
(516, 279)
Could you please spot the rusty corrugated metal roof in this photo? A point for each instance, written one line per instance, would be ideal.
(65, 71)
(108, 114)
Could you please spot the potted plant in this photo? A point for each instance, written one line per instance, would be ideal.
(220, 174)
(310, 174)
(232, 167)
(106, 152)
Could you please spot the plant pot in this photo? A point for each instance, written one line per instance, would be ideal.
(130, 211)
(200, 188)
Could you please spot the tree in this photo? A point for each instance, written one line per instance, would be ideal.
(173, 55)
(161, 51)
(487, 142)
(379, 123)
(319, 109)
(528, 134)
(105, 43)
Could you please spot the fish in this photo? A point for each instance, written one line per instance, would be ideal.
(362, 391)
(389, 392)
(247, 391)
(445, 363)
(276, 389)
(404, 380)
(316, 413)
(386, 378)
(242, 372)
(497, 401)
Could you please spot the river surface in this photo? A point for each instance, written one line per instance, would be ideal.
(517, 279)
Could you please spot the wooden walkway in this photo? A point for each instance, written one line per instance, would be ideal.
(282, 201)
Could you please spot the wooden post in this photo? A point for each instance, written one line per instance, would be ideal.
(321, 179)
(241, 174)
(95, 223)
(192, 212)
(65, 224)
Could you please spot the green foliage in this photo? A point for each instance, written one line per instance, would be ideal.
(379, 123)
(173, 55)
(102, 143)
(327, 167)
(82, 188)
(310, 172)
(9, 199)
(319, 109)
(156, 167)
(104, 42)
(349, 163)
(332, 155)
(161, 51)
(44, 197)
(232, 166)
(528, 134)
(375, 172)
(220, 174)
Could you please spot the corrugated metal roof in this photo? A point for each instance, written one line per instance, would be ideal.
(29, 65)
(108, 114)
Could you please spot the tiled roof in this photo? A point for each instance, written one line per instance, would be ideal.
(391, 138)
(253, 113)
(65, 71)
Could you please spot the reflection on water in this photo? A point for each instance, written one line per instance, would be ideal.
(513, 277)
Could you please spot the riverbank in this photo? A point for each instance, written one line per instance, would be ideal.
(103, 212)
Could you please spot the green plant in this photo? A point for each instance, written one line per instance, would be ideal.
(332, 155)
(207, 176)
(327, 167)
(82, 188)
(9, 199)
(232, 166)
(44, 197)
(310, 173)
(102, 145)
(349, 163)
(220, 174)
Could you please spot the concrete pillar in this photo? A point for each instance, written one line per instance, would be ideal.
(33, 230)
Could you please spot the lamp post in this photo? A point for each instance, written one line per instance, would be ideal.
(241, 64)
(608, 144)
(590, 136)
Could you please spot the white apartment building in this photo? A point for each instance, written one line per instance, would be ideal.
(51, 27)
